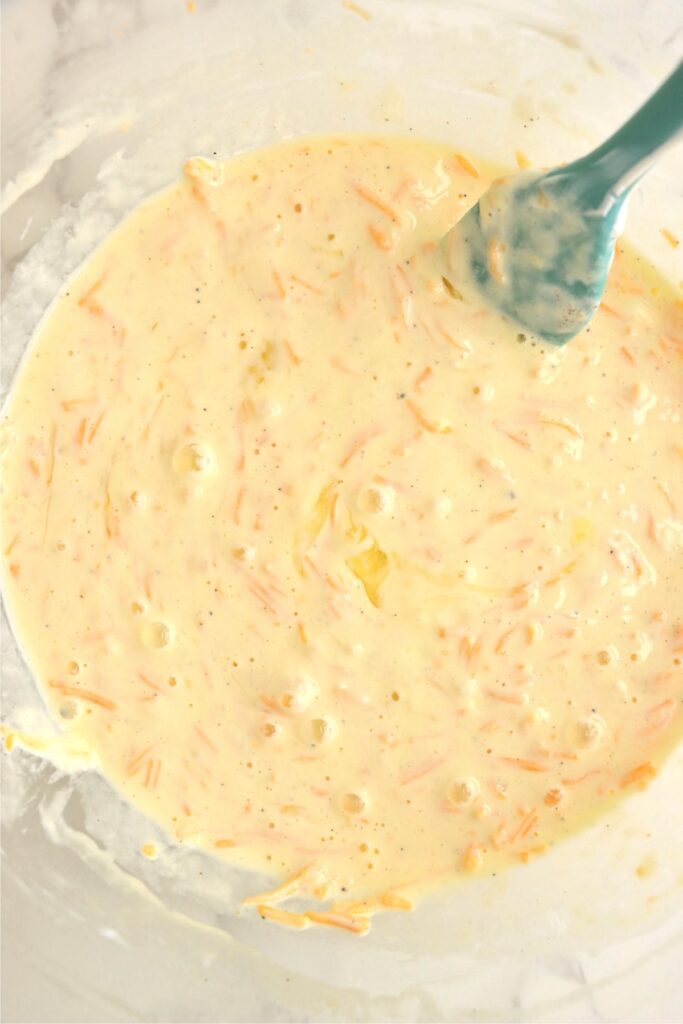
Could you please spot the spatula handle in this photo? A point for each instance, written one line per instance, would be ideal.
(608, 173)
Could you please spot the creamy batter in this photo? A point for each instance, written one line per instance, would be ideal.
(338, 575)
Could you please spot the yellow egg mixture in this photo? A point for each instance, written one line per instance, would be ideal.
(340, 576)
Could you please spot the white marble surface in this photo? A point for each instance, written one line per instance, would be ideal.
(101, 100)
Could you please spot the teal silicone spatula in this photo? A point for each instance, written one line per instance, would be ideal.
(539, 246)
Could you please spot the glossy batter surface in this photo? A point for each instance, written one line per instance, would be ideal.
(339, 575)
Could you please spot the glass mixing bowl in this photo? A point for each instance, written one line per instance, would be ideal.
(102, 101)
